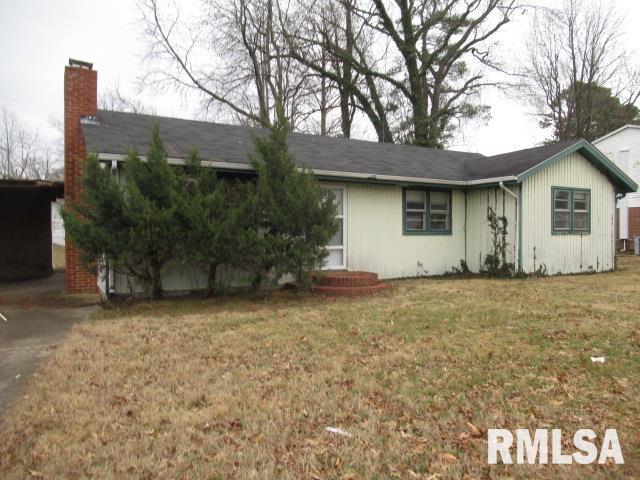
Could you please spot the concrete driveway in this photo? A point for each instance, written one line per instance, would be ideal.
(38, 316)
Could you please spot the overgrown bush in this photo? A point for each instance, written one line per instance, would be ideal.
(208, 219)
(278, 224)
(294, 216)
(132, 227)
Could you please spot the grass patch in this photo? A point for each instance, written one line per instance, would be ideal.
(244, 387)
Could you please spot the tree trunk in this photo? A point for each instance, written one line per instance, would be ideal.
(410, 54)
(377, 114)
(156, 282)
(211, 281)
(257, 282)
(346, 87)
(323, 98)
(420, 117)
(434, 136)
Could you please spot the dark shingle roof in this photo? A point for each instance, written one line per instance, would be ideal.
(513, 163)
(118, 132)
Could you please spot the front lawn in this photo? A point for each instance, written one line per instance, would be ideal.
(244, 388)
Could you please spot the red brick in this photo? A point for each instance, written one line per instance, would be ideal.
(80, 99)
(342, 283)
(351, 291)
(634, 227)
(341, 278)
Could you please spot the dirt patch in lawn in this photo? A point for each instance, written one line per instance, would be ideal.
(245, 388)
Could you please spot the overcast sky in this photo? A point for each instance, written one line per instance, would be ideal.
(38, 36)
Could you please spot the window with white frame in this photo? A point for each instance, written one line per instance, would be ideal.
(336, 247)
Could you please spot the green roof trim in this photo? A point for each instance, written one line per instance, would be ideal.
(624, 183)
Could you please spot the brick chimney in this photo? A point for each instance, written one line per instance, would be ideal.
(80, 99)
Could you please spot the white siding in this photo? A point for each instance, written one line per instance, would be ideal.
(614, 148)
(479, 241)
(567, 253)
(375, 241)
(175, 278)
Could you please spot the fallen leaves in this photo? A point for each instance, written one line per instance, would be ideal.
(245, 388)
(447, 457)
(475, 431)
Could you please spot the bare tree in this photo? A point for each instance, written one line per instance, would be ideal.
(444, 48)
(230, 53)
(574, 56)
(328, 40)
(114, 99)
(23, 155)
(421, 64)
(412, 68)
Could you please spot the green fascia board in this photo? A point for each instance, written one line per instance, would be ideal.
(595, 156)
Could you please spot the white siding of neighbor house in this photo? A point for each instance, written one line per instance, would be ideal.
(567, 253)
(479, 239)
(615, 147)
(375, 241)
(57, 226)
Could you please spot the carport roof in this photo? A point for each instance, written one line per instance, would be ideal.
(40, 188)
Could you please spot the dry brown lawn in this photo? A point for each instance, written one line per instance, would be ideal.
(245, 387)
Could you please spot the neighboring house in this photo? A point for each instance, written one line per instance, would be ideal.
(405, 211)
(623, 147)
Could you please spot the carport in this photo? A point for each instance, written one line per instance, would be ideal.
(25, 227)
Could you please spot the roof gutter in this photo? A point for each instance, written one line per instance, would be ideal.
(243, 167)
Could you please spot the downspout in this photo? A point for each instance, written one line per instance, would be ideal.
(517, 228)
(618, 196)
(110, 281)
(465, 228)
(614, 234)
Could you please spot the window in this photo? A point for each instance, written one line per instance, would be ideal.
(337, 254)
(580, 210)
(571, 210)
(416, 210)
(426, 212)
(562, 210)
(439, 211)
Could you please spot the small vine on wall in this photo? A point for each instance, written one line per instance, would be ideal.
(495, 263)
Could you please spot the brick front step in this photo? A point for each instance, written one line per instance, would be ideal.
(342, 278)
(332, 291)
